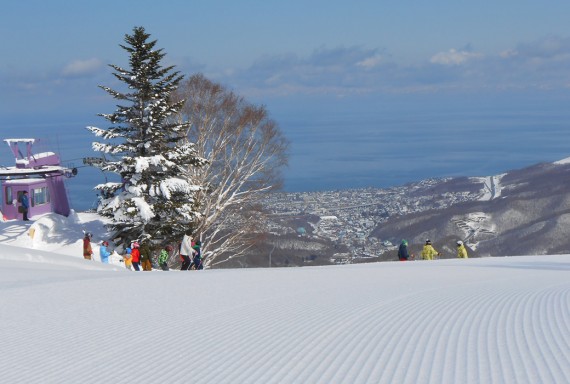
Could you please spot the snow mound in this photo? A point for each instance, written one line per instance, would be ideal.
(55, 233)
(44, 259)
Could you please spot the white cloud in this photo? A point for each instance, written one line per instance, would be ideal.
(370, 62)
(357, 70)
(453, 57)
(509, 53)
(549, 48)
(82, 67)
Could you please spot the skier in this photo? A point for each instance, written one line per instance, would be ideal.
(163, 257)
(186, 251)
(461, 250)
(128, 259)
(87, 250)
(428, 252)
(403, 254)
(136, 256)
(145, 257)
(104, 252)
(197, 261)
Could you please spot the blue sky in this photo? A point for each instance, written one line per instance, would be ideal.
(294, 48)
(314, 64)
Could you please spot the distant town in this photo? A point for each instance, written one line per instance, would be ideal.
(350, 216)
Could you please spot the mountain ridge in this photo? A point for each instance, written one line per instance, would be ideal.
(521, 212)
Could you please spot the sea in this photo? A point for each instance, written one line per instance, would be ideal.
(355, 146)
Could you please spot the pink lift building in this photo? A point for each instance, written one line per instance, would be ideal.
(41, 175)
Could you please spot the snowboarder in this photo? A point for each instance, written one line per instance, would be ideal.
(461, 250)
(136, 256)
(104, 252)
(87, 250)
(163, 257)
(25, 205)
(403, 254)
(197, 261)
(186, 251)
(428, 252)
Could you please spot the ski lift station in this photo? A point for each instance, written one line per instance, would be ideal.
(41, 175)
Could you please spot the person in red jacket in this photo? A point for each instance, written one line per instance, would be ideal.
(87, 250)
(136, 256)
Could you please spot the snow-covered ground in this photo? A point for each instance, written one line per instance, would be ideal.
(491, 187)
(474, 225)
(68, 320)
(563, 161)
(59, 234)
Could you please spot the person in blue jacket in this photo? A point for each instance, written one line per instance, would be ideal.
(104, 252)
(25, 205)
(403, 254)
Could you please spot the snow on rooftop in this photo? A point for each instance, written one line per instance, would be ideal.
(13, 171)
(43, 154)
(23, 181)
(10, 141)
(65, 319)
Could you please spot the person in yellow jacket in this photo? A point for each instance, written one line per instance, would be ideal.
(428, 252)
(128, 259)
(461, 250)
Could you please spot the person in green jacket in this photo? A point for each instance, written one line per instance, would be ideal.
(164, 256)
(429, 252)
(461, 250)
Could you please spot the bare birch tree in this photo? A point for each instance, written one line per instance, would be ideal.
(245, 150)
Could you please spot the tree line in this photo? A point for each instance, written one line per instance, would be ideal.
(192, 157)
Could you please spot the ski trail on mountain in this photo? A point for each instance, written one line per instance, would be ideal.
(447, 321)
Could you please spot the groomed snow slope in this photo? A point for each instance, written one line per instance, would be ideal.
(492, 320)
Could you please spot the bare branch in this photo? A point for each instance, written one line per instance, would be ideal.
(245, 150)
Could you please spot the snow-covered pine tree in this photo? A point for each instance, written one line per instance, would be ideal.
(156, 196)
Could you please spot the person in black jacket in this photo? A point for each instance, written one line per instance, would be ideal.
(197, 261)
